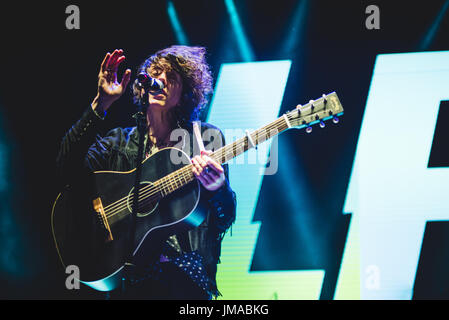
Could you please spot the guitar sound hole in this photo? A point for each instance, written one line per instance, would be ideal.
(147, 200)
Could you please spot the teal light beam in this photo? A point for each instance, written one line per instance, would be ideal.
(180, 35)
(430, 35)
(246, 51)
(295, 30)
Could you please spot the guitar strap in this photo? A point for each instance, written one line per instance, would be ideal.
(182, 238)
(197, 138)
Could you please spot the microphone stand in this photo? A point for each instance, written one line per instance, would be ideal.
(142, 129)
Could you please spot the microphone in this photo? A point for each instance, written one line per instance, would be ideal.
(148, 83)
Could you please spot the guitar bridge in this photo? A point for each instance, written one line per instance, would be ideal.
(98, 207)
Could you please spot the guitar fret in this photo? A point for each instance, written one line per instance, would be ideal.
(175, 181)
(242, 145)
(167, 187)
(183, 178)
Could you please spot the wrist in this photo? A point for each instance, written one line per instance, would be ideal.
(99, 106)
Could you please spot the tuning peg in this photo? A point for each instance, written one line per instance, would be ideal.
(322, 125)
(309, 129)
(335, 119)
(311, 104)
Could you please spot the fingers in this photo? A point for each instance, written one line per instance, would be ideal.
(113, 60)
(207, 179)
(109, 67)
(197, 168)
(208, 171)
(105, 60)
(126, 78)
(110, 64)
(212, 163)
(120, 60)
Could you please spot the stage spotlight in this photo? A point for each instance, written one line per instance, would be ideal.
(15, 255)
(295, 29)
(246, 51)
(426, 42)
(180, 35)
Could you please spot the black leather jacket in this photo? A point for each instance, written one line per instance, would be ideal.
(84, 151)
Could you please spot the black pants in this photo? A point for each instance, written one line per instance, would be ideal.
(171, 283)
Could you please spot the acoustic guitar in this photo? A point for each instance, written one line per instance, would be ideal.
(95, 237)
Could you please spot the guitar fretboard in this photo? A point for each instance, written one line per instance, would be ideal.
(183, 176)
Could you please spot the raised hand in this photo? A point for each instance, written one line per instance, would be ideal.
(109, 89)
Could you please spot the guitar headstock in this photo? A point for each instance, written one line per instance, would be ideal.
(315, 112)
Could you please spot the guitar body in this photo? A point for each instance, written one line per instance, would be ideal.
(100, 249)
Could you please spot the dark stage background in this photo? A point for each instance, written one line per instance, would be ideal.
(49, 78)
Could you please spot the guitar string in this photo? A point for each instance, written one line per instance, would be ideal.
(184, 173)
(169, 180)
(187, 175)
(150, 191)
(172, 177)
(178, 175)
(144, 199)
(145, 191)
(162, 184)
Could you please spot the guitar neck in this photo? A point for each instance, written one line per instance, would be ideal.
(303, 116)
(251, 140)
(183, 176)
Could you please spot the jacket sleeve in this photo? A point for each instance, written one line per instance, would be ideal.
(223, 202)
(74, 148)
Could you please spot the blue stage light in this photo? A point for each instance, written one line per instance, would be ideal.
(244, 46)
(180, 35)
(295, 30)
(431, 33)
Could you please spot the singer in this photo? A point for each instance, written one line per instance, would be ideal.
(186, 263)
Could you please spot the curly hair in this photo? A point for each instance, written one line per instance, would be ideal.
(190, 63)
